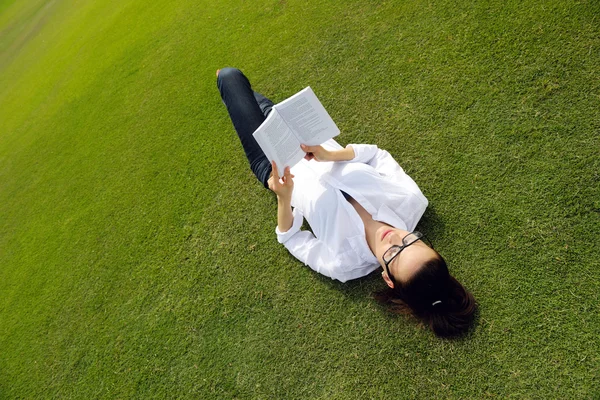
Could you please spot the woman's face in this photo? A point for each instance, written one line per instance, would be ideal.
(410, 259)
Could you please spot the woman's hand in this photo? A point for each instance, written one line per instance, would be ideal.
(283, 188)
(319, 153)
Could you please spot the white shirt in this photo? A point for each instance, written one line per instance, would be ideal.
(338, 248)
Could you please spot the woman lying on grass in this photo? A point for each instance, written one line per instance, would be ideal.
(362, 208)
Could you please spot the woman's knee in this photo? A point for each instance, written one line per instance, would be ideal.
(228, 74)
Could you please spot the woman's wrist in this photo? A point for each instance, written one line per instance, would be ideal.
(284, 200)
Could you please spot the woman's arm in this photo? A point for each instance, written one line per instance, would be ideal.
(319, 153)
(283, 188)
(369, 154)
(318, 256)
(285, 218)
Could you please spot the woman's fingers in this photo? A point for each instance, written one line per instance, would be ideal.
(309, 151)
(317, 153)
(278, 184)
(275, 172)
(287, 176)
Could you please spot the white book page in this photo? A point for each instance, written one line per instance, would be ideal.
(277, 142)
(306, 116)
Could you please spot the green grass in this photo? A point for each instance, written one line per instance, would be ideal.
(137, 252)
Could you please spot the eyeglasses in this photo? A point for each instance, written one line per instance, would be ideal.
(393, 251)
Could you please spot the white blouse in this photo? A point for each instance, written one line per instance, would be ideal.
(338, 248)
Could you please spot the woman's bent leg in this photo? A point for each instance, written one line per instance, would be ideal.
(246, 115)
(265, 104)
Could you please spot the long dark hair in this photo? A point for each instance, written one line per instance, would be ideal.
(435, 297)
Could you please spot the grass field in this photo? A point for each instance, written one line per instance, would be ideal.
(138, 257)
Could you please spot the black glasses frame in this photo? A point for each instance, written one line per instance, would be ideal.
(405, 243)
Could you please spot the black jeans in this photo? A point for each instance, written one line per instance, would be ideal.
(247, 110)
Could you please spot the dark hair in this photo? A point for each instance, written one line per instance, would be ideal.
(433, 296)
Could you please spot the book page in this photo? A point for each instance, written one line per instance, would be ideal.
(306, 116)
(278, 143)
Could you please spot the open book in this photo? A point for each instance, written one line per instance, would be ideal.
(300, 119)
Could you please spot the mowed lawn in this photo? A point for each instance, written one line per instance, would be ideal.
(138, 256)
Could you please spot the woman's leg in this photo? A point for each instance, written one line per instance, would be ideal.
(246, 114)
(265, 104)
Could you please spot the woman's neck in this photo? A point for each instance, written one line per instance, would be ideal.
(370, 224)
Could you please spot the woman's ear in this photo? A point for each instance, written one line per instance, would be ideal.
(387, 279)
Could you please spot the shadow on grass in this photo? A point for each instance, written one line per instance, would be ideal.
(431, 224)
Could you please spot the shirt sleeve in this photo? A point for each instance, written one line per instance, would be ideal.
(377, 158)
(311, 251)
